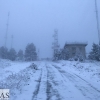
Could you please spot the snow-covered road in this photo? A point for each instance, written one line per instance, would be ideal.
(62, 80)
(58, 84)
(76, 88)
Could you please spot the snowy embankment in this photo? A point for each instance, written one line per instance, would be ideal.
(18, 77)
(88, 71)
(8, 67)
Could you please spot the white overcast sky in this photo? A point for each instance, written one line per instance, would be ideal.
(35, 21)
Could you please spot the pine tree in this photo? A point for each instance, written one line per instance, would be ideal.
(95, 52)
(3, 52)
(30, 52)
(12, 54)
(20, 55)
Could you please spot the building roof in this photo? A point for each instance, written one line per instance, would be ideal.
(76, 43)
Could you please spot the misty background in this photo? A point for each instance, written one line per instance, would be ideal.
(35, 21)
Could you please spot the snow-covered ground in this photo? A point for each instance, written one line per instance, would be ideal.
(89, 71)
(8, 67)
(61, 80)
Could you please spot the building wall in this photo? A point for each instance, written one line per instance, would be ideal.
(75, 50)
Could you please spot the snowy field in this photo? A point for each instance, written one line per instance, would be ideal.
(61, 80)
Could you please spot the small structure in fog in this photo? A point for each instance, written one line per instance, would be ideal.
(76, 49)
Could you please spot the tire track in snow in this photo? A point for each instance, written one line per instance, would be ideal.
(35, 93)
(86, 89)
(40, 92)
(88, 83)
(52, 93)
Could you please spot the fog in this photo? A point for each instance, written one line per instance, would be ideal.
(35, 21)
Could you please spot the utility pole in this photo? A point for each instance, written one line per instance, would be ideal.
(12, 41)
(6, 36)
(97, 18)
(98, 28)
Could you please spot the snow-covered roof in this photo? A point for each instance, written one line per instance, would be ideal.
(76, 43)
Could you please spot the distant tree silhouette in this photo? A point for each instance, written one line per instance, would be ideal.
(20, 55)
(12, 54)
(30, 52)
(3, 52)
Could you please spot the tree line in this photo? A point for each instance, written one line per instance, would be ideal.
(28, 55)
